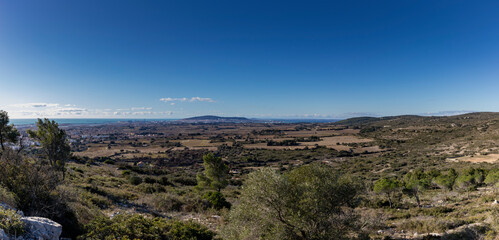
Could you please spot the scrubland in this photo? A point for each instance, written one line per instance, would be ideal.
(404, 177)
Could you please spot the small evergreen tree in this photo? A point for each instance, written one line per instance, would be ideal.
(470, 179)
(492, 179)
(216, 200)
(446, 181)
(387, 186)
(53, 142)
(416, 182)
(8, 133)
(215, 173)
(465, 182)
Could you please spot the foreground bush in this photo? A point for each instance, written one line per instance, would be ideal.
(11, 222)
(139, 227)
(32, 187)
(310, 202)
(216, 200)
(8, 197)
(135, 180)
(166, 202)
(30, 182)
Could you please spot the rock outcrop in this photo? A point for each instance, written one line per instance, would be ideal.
(41, 228)
(3, 235)
(37, 228)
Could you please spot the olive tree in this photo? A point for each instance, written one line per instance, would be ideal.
(310, 202)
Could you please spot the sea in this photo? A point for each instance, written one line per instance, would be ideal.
(94, 121)
(86, 121)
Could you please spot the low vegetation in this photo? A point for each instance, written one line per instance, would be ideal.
(368, 178)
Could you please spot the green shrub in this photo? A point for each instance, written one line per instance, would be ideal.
(429, 224)
(147, 188)
(159, 188)
(135, 180)
(139, 227)
(11, 222)
(216, 200)
(194, 203)
(311, 200)
(126, 172)
(77, 170)
(167, 202)
(151, 188)
(186, 181)
(189, 230)
(109, 161)
(436, 211)
(7, 197)
(35, 186)
(95, 199)
(32, 183)
(149, 180)
(165, 181)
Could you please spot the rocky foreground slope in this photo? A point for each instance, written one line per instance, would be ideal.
(35, 228)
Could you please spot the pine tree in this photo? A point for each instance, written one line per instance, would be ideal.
(215, 173)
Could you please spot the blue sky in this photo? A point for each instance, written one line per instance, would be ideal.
(268, 59)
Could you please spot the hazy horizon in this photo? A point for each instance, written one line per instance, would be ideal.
(446, 113)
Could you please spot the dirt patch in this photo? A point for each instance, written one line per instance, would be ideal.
(327, 141)
(489, 158)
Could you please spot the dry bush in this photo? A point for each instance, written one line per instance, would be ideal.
(8, 197)
(165, 202)
(371, 220)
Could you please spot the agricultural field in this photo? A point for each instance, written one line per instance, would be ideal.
(160, 139)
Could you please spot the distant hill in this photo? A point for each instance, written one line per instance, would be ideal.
(368, 120)
(216, 119)
(414, 120)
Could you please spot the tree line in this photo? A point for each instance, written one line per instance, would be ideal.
(414, 183)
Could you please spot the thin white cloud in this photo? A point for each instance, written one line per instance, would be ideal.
(200, 99)
(55, 110)
(122, 113)
(143, 113)
(141, 108)
(173, 99)
(184, 99)
(447, 113)
(44, 110)
(35, 105)
(72, 110)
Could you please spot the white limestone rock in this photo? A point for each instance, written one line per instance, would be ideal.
(40, 228)
(3, 235)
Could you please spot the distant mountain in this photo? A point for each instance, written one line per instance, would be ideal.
(217, 119)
